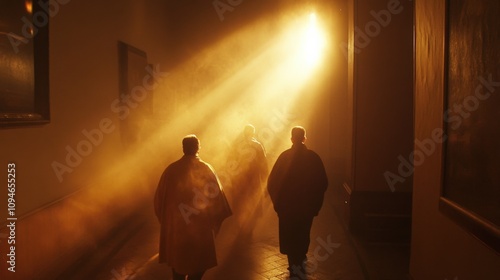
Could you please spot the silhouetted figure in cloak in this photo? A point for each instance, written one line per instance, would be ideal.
(249, 175)
(190, 205)
(297, 184)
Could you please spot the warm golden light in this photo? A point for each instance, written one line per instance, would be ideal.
(264, 74)
(263, 88)
(28, 4)
(314, 42)
(269, 83)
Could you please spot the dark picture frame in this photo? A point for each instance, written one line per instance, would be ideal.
(24, 64)
(470, 194)
(135, 101)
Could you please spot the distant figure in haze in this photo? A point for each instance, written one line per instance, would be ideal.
(297, 184)
(190, 205)
(249, 175)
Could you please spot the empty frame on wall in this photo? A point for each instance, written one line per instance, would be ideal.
(24, 63)
(471, 184)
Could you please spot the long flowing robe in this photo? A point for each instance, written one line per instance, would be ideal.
(190, 205)
(248, 177)
(296, 185)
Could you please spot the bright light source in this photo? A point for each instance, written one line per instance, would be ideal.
(274, 79)
(29, 6)
(313, 42)
(312, 17)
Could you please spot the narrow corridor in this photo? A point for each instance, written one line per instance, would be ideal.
(332, 254)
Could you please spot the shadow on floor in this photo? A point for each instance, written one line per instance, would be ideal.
(333, 255)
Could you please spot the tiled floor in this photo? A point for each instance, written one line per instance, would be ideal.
(332, 255)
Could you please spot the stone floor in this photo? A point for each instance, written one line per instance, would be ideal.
(333, 253)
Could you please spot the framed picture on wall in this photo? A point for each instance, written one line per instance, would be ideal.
(135, 100)
(24, 63)
(471, 181)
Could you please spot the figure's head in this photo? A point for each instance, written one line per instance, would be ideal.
(190, 145)
(249, 131)
(298, 135)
